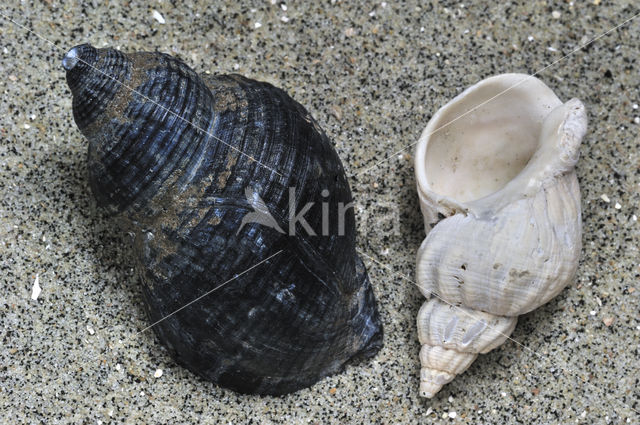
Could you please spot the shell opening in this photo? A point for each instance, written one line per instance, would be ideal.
(485, 137)
(481, 159)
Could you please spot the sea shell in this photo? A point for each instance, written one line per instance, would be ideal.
(496, 164)
(206, 171)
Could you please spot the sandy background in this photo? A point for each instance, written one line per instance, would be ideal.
(372, 74)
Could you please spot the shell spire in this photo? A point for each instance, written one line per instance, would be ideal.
(225, 179)
(503, 177)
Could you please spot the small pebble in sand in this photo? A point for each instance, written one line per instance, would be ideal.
(635, 106)
(605, 198)
(90, 330)
(27, 126)
(36, 290)
(332, 391)
(592, 312)
(617, 206)
(452, 415)
(349, 32)
(636, 120)
(158, 16)
(257, 25)
(608, 321)
(284, 19)
(336, 111)
(555, 14)
(158, 373)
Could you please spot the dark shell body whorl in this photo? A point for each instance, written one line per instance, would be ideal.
(183, 158)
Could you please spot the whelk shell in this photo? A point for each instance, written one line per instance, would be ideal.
(500, 176)
(204, 170)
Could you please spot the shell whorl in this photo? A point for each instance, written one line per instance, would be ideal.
(124, 104)
(451, 338)
(175, 155)
(506, 252)
(510, 263)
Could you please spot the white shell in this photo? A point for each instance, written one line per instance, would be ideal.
(498, 163)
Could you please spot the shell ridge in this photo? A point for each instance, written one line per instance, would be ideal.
(168, 145)
(180, 160)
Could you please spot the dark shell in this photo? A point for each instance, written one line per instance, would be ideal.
(185, 185)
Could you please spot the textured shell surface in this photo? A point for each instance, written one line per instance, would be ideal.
(501, 205)
(183, 159)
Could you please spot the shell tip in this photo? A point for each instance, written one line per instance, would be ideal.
(74, 55)
(70, 59)
(429, 389)
(432, 380)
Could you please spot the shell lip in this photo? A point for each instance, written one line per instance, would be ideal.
(569, 134)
